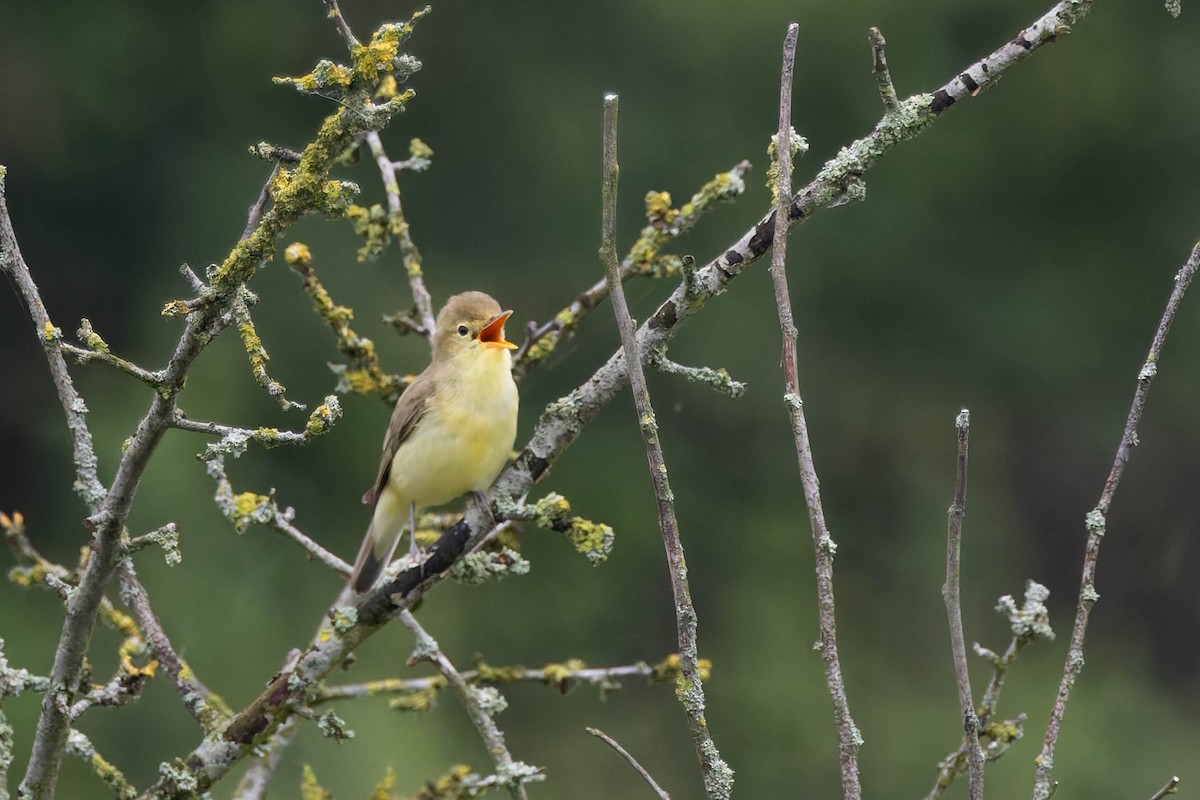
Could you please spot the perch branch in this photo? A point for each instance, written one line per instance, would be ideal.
(1095, 525)
(633, 762)
(952, 597)
(481, 704)
(253, 785)
(849, 739)
(718, 777)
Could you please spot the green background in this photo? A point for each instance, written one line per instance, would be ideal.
(1014, 259)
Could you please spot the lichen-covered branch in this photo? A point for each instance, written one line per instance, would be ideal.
(883, 76)
(254, 783)
(79, 745)
(849, 739)
(1095, 523)
(482, 703)
(952, 598)
(87, 482)
(664, 224)
(410, 256)
(207, 709)
(97, 351)
(718, 777)
(363, 374)
(1028, 622)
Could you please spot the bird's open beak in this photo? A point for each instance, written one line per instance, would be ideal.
(492, 334)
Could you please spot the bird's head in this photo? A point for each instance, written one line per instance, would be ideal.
(471, 322)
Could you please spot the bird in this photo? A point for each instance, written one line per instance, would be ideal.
(451, 431)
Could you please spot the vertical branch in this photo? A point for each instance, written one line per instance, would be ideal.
(883, 76)
(849, 739)
(952, 598)
(718, 777)
(409, 254)
(1095, 523)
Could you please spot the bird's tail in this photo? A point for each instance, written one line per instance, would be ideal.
(378, 545)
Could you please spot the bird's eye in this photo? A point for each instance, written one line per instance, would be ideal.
(463, 330)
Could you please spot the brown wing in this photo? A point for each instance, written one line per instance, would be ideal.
(408, 412)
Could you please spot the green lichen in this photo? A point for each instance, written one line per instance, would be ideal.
(344, 618)
(113, 778)
(420, 700)
(323, 417)
(562, 675)
(90, 338)
(592, 540)
(310, 789)
(375, 226)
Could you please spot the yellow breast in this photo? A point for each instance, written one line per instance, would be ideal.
(465, 436)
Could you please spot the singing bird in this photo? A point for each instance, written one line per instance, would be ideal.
(451, 431)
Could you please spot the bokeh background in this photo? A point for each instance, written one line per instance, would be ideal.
(1014, 259)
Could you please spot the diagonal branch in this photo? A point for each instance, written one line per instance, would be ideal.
(1095, 524)
(848, 736)
(718, 777)
(481, 704)
(633, 762)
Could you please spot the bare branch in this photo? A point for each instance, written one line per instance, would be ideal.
(1171, 787)
(409, 254)
(718, 777)
(1095, 524)
(335, 14)
(883, 77)
(849, 739)
(952, 598)
(481, 705)
(611, 742)
(254, 215)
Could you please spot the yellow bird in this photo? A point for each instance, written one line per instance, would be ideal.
(451, 431)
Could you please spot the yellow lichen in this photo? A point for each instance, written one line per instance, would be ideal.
(297, 254)
(51, 333)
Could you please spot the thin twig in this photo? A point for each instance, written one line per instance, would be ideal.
(560, 676)
(480, 703)
(1171, 787)
(335, 14)
(254, 215)
(97, 351)
(883, 77)
(409, 254)
(79, 745)
(1095, 524)
(849, 739)
(718, 777)
(633, 762)
(194, 694)
(952, 597)
(254, 783)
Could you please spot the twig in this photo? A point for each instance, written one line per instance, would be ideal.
(849, 739)
(12, 264)
(561, 676)
(1095, 524)
(718, 777)
(194, 694)
(409, 254)
(481, 705)
(1171, 787)
(113, 778)
(254, 783)
(611, 742)
(335, 14)
(254, 215)
(883, 77)
(952, 597)
(664, 225)
(97, 350)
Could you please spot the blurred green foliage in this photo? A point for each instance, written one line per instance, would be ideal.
(1014, 259)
